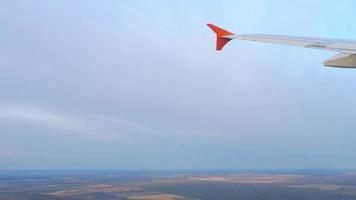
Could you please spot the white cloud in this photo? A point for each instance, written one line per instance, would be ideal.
(92, 124)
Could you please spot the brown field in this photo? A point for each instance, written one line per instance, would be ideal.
(156, 197)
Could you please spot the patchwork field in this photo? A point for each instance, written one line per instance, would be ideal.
(177, 185)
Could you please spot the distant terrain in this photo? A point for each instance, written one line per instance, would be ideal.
(178, 185)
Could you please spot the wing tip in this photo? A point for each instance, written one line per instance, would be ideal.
(221, 40)
(220, 32)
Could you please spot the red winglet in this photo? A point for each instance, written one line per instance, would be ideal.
(221, 41)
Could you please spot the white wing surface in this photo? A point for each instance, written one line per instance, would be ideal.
(342, 46)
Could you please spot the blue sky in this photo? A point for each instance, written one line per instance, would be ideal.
(138, 85)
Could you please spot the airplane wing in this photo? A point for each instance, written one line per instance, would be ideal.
(346, 49)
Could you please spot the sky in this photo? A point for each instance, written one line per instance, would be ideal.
(138, 85)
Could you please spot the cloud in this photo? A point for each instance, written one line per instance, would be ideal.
(90, 124)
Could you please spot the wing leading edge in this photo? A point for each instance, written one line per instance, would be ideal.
(346, 49)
